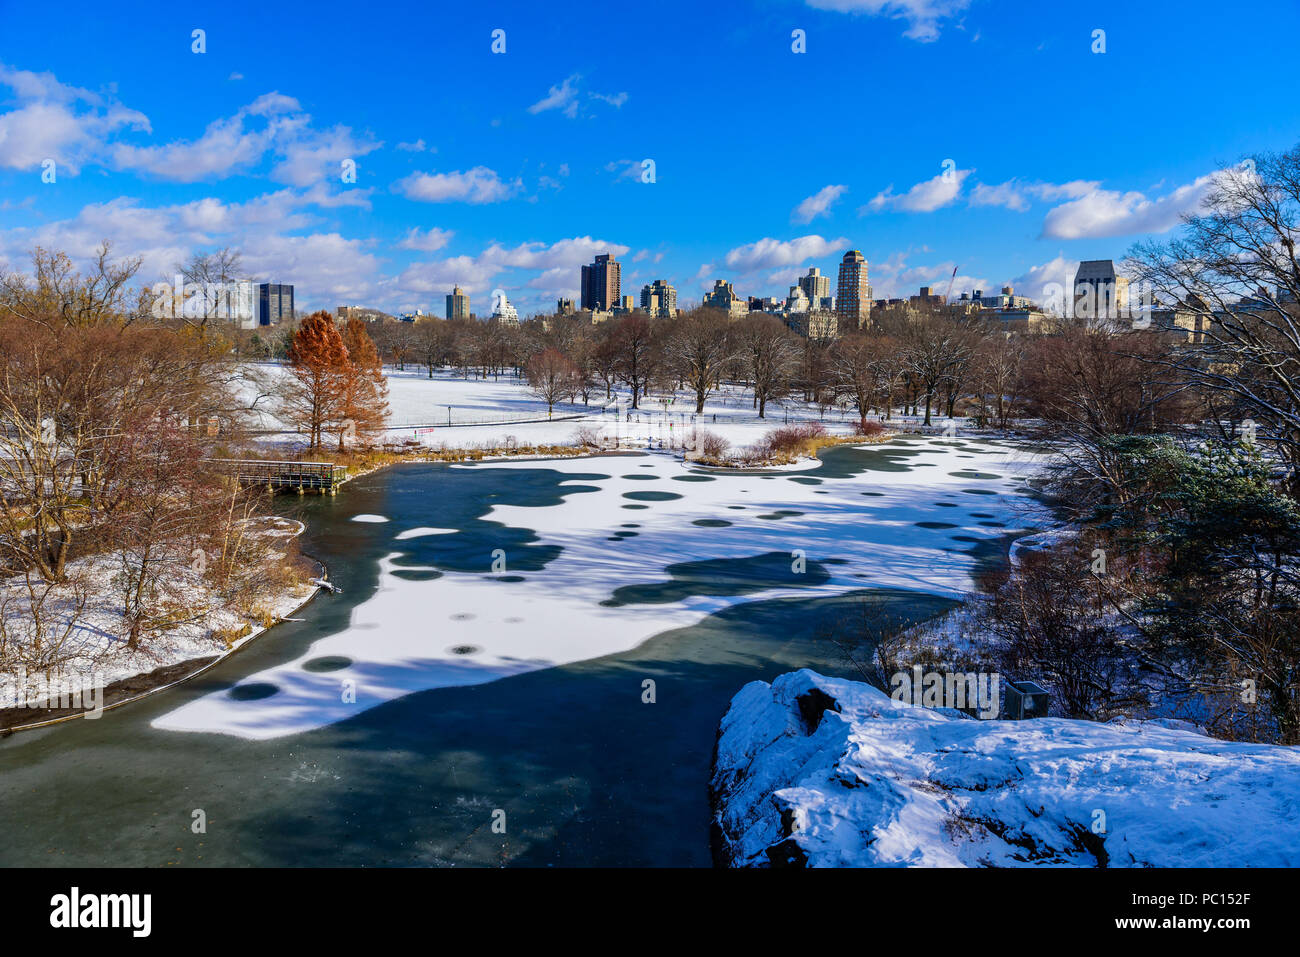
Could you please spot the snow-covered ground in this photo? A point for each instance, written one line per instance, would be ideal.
(889, 528)
(882, 783)
(421, 406)
(91, 642)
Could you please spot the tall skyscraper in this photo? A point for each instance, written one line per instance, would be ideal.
(457, 303)
(659, 299)
(853, 294)
(274, 303)
(601, 283)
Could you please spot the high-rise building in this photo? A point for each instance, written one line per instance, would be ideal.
(505, 313)
(817, 288)
(853, 293)
(1099, 291)
(274, 303)
(659, 299)
(601, 283)
(564, 307)
(457, 303)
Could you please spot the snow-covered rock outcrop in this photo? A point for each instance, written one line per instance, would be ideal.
(823, 772)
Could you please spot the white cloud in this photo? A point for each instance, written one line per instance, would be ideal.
(322, 265)
(567, 98)
(477, 185)
(236, 143)
(818, 204)
(274, 103)
(416, 147)
(428, 241)
(1059, 271)
(625, 168)
(325, 268)
(1017, 194)
(328, 195)
(318, 156)
(224, 147)
(562, 96)
(1104, 213)
(570, 253)
(55, 121)
(437, 277)
(44, 87)
(924, 197)
(923, 17)
(774, 254)
(562, 281)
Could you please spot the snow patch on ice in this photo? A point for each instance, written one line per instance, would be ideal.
(422, 532)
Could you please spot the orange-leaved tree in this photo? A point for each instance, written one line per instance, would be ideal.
(363, 398)
(312, 397)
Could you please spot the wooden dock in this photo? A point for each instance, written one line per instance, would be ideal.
(300, 477)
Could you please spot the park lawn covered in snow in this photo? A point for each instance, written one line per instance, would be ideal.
(643, 544)
(824, 772)
(419, 404)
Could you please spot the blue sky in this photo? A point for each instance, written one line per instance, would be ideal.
(510, 170)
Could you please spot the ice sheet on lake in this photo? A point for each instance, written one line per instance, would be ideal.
(463, 628)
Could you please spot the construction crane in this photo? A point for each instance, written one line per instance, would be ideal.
(953, 278)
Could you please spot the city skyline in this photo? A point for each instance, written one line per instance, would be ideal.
(535, 160)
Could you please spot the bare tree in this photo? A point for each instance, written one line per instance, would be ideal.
(58, 295)
(1234, 276)
(638, 353)
(432, 342)
(866, 367)
(210, 279)
(698, 347)
(934, 348)
(769, 354)
(999, 375)
(552, 376)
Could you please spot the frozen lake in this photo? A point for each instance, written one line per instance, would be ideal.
(491, 652)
